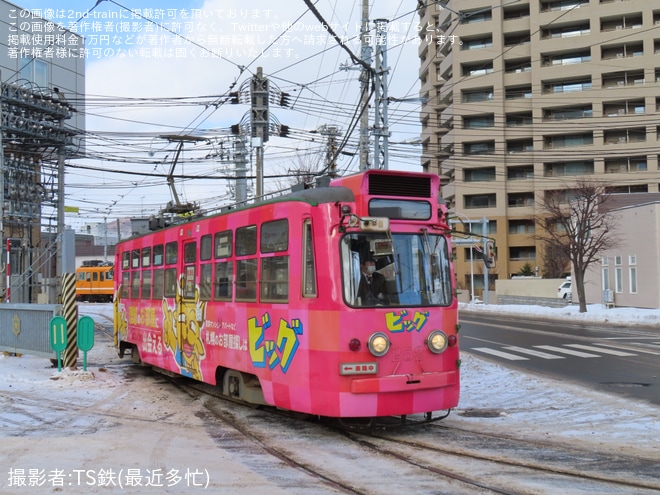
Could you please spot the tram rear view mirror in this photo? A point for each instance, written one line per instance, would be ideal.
(375, 224)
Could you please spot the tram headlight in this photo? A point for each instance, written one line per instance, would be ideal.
(378, 344)
(437, 341)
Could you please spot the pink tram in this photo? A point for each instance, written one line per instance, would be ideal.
(270, 303)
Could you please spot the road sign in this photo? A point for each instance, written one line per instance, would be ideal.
(85, 337)
(85, 333)
(58, 336)
(58, 333)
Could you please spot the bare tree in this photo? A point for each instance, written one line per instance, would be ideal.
(555, 261)
(578, 225)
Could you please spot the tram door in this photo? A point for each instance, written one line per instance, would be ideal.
(189, 319)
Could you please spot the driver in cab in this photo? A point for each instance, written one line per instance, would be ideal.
(372, 288)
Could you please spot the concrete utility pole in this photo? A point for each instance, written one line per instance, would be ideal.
(241, 170)
(331, 132)
(365, 77)
(259, 120)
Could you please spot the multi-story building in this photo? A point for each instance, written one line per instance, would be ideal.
(526, 97)
(42, 84)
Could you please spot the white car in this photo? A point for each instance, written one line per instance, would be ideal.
(564, 290)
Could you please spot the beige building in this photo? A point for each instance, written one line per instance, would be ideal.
(526, 96)
(630, 272)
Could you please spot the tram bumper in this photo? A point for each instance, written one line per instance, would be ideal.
(404, 383)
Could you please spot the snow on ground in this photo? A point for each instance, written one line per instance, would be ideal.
(33, 398)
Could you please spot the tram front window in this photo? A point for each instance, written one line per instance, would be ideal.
(409, 270)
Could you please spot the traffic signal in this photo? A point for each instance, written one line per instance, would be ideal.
(489, 253)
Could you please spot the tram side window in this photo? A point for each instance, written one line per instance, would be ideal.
(223, 281)
(206, 282)
(158, 255)
(309, 268)
(206, 248)
(158, 284)
(246, 240)
(135, 285)
(125, 260)
(275, 279)
(135, 258)
(274, 236)
(146, 257)
(170, 282)
(190, 252)
(246, 280)
(95, 277)
(223, 244)
(171, 253)
(146, 284)
(125, 284)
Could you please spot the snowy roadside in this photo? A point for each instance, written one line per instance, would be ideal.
(106, 416)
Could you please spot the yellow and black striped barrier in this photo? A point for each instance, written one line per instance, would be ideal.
(70, 313)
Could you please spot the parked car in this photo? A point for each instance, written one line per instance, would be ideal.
(564, 290)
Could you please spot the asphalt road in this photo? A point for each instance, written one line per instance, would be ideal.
(611, 358)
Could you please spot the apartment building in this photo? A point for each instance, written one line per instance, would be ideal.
(526, 97)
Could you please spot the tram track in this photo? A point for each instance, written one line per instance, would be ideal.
(469, 461)
(619, 472)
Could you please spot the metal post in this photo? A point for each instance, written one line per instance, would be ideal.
(241, 170)
(381, 106)
(484, 231)
(364, 87)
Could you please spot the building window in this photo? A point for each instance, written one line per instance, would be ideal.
(622, 136)
(620, 79)
(567, 86)
(480, 201)
(568, 140)
(35, 71)
(477, 69)
(520, 172)
(479, 174)
(565, 58)
(522, 227)
(479, 148)
(617, 108)
(561, 169)
(479, 121)
(478, 15)
(604, 261)
(477, 95)
(517, 65)
(515, 39)
(519, 200)
(567, 113)
(625, 165)
(565, 31)
(515, 92)
(519, 145)
(518, 119)
(618, 275)
(633, 279)
(625, 50)
(522, 253)
(553, 5)
(475, 43)
(628, 21)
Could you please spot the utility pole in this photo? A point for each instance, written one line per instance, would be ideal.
(241, 169)
(381, 126)
(331, 132)
(259, 120)
(365, 76)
